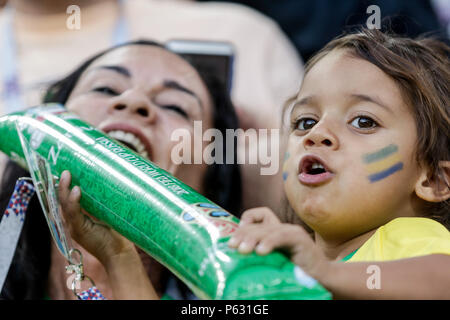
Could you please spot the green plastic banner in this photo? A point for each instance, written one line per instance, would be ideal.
(167, 219)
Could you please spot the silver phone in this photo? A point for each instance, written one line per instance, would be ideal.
(217, 56)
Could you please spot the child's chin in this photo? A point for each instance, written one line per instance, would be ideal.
(314, 213)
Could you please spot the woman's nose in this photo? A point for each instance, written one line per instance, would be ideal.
(134, 103)
(321, 136)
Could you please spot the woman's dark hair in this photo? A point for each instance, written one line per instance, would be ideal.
(27, 278)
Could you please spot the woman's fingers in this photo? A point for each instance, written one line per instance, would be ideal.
(73, 201)
(70, 204)
(63, 187)
(64, 192)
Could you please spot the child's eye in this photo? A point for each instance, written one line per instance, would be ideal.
(176, 109)
(106, 90)
(304, 124)
(362, 122)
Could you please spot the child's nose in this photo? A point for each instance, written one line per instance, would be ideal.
(321, 137)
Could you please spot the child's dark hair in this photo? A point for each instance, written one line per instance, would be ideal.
(421, 69)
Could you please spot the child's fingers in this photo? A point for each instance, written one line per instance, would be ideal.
(289, 237)
(258, 215)
(248, 238)
(248, 244)
(239, 235)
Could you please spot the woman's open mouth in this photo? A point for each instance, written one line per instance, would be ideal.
(131, 138)
(314, 171)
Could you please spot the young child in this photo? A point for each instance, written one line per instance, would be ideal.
(367, 168)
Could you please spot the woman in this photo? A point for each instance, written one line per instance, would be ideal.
(142, 89)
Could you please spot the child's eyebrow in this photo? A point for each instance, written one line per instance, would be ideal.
(303, 102)
(363, 97)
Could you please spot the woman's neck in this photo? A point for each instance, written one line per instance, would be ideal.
(47, 7)
(337, 250)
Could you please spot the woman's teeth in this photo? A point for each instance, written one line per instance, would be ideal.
(130, 140)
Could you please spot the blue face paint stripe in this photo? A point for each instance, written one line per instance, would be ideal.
(383, 174)
(381, 154)
(285, 175)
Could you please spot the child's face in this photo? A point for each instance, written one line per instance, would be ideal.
(350, 162)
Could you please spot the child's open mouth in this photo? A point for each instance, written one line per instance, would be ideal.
(313, 171)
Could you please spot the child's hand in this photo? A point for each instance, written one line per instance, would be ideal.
(97, 238)
(260, 230)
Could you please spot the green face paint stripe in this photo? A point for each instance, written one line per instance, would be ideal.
(286, 156)
(381, 154)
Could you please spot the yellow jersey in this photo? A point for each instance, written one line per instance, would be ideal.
(405, 237)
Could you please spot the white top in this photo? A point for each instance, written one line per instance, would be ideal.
(267, 66)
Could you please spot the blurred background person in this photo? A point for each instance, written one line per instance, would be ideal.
(442, 8)
(38, 46)
(312, 24)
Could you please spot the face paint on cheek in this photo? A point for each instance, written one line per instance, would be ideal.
(285, 173)
(286, 155)
(383, 163)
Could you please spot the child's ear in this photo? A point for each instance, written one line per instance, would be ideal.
(435, 188)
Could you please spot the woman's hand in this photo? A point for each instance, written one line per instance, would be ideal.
(126, 273)
(96, 237)
(261, 230)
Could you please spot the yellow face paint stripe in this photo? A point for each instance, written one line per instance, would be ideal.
(383, 164)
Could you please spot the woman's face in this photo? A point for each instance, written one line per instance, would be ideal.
(139, 94)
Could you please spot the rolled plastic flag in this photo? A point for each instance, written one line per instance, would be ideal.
(179, 227)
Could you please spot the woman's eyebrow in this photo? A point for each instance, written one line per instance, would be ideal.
(170, 84)
(363, 97)
(119, 69)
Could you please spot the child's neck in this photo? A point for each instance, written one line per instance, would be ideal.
(337, 250)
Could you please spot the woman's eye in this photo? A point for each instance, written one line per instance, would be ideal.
(305, 124)
(364, 123)
(106, 90)
(176, 109)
